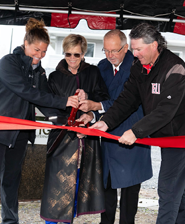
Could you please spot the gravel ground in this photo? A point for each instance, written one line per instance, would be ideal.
(29, 210)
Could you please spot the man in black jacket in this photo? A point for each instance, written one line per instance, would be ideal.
(157, 81)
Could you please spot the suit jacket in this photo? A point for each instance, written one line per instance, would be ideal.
(128, 165)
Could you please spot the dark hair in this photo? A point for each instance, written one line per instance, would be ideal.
(36, 31)
(72, 40)
(149, 34)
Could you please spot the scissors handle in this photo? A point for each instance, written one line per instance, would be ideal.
(71, 120)
(72, 115)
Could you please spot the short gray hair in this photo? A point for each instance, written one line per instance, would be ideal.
(116, 32)
(72, 40)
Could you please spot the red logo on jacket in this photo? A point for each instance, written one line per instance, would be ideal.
(155, 88)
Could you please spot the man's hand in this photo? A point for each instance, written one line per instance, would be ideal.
(86, 118)
(82, 95)
(128, 138)
(87, 105)
(72, 101)
(100, 125)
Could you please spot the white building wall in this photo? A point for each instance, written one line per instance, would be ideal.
(5, 39)
(13, 36)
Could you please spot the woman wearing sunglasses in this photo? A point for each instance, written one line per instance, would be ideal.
(73, 178)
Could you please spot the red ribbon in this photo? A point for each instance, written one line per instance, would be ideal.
(9, 123)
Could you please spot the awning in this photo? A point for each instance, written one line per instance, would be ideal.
(167, 15)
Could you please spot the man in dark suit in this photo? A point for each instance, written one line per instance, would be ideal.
(124, 167)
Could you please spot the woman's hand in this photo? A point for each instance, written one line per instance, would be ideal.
(82, 95)
(80, 135)
(86, 118)
(72, 101)
(128, 138)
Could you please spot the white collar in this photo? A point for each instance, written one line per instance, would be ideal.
(117, 68)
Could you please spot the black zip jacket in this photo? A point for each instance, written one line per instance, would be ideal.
(161, 93)
(20, 88)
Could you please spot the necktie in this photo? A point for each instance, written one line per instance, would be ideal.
(115, 71)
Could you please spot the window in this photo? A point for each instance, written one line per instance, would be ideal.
(178, 53)
(53, 42)
(90, 50)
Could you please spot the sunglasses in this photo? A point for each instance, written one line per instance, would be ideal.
(76, 55)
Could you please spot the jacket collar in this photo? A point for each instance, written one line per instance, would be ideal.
(25, 59)
(155, 63)
(125, 65)
(63, 67)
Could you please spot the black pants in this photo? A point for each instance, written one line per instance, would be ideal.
(128, 204)
(171, 187)
(11, 164)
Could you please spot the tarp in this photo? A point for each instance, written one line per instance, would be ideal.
(100, 14)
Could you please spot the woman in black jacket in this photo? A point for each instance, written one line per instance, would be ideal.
(74, 167)
(23, 85)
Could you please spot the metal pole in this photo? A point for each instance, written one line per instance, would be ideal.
(93, 14)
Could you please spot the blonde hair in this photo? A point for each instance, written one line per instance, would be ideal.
(36, 31)
(73, 40)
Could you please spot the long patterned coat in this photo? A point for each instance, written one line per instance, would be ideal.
(61, 167)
